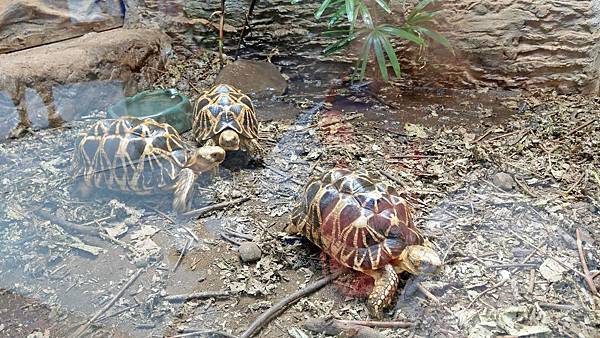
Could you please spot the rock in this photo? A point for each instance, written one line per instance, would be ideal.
(258, 79)
(249, 252)
(503, 181)
(29, 23)
(66, 80)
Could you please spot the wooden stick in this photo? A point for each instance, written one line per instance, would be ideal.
(281, 173)
(187, 244)
(586, 270)
(331, 326)
(64, 223)
(426, 292)
(268, 315)
(373, 323)
(82, 329)
(198, 295)
(202, 333)
(581, 127)
(243, 33)
(201, 211)
(221, 33)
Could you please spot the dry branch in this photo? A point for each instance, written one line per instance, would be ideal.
(268, 315)
(201, 211)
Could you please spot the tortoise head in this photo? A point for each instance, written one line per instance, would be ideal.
(420, 260)
(206, 158)
(229, 140)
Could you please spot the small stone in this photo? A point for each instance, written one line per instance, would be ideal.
(258, 79)
(249, 252)
(503, 181)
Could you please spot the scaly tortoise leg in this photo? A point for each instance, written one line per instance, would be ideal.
(184, 188)
(384, 290)
(215, 171)
(253, 148)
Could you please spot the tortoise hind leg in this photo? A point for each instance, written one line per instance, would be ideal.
(384, 291)
(184, 190)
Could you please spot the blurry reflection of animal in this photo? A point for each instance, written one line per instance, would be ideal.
(365, 225)
(141, 157)
(226, 117)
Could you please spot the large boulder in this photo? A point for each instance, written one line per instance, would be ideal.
(259, 79)
(28, 23)
(66, 80)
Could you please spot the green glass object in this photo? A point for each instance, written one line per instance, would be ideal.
(163, 105)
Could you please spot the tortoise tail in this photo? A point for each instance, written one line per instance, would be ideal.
(184, 190)
(384, 291)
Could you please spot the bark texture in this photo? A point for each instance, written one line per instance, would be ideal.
(28, 23)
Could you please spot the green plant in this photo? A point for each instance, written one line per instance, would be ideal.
(351, 20)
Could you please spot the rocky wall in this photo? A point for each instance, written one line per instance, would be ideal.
(29, 23)
(500, 43)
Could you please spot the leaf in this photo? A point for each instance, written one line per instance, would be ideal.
(366, 16)
(436, 37)
(322, 8)
(379, 55)
(391, 55)
(336, 46)
(350, 11)
(384, 5)
(401, 33)
(363, 59)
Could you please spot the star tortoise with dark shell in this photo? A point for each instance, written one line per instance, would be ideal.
(226, 117)
(364, 225)
(140, 156)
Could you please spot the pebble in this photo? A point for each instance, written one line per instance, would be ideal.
(503, 181)
(249, 252)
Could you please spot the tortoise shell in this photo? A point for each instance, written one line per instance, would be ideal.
(129, 154)
(224, 107)
(356, 219)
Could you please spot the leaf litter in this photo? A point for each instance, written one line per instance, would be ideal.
(500, 199)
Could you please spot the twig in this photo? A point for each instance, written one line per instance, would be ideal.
(514, 265)
(392, 178)
(537, 248)
(331, 326)
(243, 33)
(198, 295)
(170, 219)
(187, 244)
(203, 333)
(342, 120)
(118, 312)
(499, 284)
(486, 133)
(525, 188)
(426, 292)
(64, 223)
(373, 323)
(82, 329)
(586, 270)
(201, 211)
(221, 33)
(268, 315)
(240, 235)
(281, 173)
(581, 127)
(558, 306)
(574, 185)
(230, 240)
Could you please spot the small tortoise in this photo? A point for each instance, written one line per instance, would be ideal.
(141, 157)
(226, 117)
(364, 225)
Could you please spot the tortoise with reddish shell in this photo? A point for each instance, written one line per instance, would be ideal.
(140, 156)
(365, 225)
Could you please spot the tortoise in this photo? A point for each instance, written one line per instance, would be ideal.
(365, 225)
(226, 117)
(140, 156)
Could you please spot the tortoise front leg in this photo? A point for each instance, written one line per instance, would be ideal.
(184, 190)
(384, 291)
(253, 148)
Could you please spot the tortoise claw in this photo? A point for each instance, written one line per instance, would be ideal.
(384, 291)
